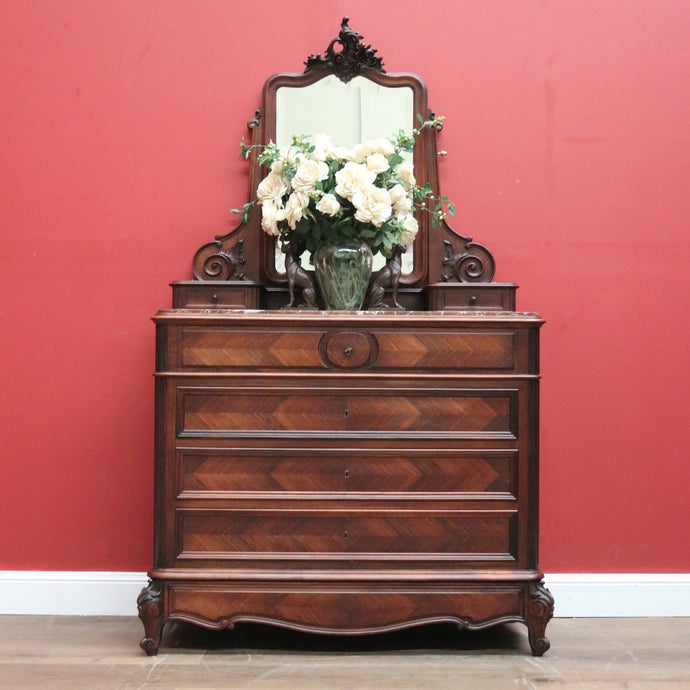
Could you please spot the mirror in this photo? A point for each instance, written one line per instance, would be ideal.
(349, 113)
(347, 95)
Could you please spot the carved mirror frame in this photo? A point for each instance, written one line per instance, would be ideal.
(245, 257)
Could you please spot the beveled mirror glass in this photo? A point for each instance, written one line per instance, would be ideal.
(350, 113)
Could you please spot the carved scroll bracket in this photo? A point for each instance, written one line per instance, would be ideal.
(470, 263)
(213, 262)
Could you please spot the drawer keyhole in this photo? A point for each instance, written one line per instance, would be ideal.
(347, 413)
(347, 474)
(348, 351)
(346, 535)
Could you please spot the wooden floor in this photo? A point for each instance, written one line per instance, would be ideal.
(101, 653)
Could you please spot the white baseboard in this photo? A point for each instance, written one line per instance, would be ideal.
(114, 594)
(70, 593)
(629, 595)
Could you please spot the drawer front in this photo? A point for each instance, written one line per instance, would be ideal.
(318, 349)
(398, 412)
(332, 534)
(346, 606)
(221, 472)
(447, 350)
(225, 347)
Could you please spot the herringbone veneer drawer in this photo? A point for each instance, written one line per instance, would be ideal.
(462, 411)
(318, 349)
(219, 472)
(228, 534)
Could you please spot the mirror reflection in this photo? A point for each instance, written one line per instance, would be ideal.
(350, 113)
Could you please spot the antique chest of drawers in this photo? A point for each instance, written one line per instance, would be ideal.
(346, 472)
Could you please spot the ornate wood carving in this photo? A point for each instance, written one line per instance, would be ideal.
(539, 612)
(471, 263)
(150, 607)
(350, 59)
(212, 262)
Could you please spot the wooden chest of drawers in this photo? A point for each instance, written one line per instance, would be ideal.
(346, 472)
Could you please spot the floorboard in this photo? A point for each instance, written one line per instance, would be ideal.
(101, 653)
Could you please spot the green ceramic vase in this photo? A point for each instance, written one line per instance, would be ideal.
(343, 273)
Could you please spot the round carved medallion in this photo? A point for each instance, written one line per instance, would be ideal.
(348, 349)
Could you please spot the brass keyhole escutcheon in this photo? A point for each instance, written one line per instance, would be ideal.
(347, 351)
(346, 535)
(347, 413)
(347, 474)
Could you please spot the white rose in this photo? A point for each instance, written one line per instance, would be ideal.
(373, 205)
(290, 154)
(353, 177)
(342, 153)
(307, 174)
(402, 203)
(361, 151)
(409, 232)
(405, 173)
(323, 147)
(271, 214)
(273, 186)
(294, 208)
(377, 162)
(383, 146)
(328, 204)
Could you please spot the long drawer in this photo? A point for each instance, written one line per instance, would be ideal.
(331, 534)
(221, 473)
(221, 348)
(241, 410)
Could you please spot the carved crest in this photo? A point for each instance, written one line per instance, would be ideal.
(349, 59)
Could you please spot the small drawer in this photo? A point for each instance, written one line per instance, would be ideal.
(208, 295)
(471, 296)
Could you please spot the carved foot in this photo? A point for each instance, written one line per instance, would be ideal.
(539, 613)
(150, 607)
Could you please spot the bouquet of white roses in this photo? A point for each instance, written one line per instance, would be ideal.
(317, 193)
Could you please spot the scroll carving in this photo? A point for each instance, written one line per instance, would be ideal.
(539, 612)
(349, 60)
(212, 262)
(472, 263)
(150, 607)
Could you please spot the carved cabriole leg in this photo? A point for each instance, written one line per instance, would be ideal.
(539, 611)
(150, 606)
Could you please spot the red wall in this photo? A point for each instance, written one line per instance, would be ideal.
(568, 127)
